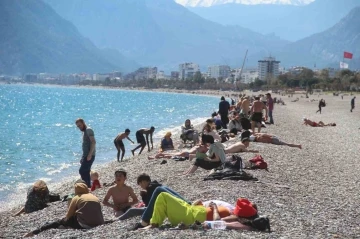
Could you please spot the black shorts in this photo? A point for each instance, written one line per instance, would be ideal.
(207, 165)
(140, 137)
(119, 143)
(257, 117)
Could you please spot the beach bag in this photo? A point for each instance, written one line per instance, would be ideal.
(258, 163)
(261, 224)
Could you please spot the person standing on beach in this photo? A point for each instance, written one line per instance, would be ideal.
(142, 141)
(120, 145)
(245, 107)
(353, 104)
(270, 104)
(88, 147)
(257, 115)
(321, 104)
(224, 108)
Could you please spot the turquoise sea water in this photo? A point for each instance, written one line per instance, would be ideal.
(39, 139)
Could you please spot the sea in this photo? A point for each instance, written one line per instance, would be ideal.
(39, 138)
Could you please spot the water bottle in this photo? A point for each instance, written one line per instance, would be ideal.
(216, 225)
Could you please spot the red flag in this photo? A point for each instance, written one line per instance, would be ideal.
(348, 55)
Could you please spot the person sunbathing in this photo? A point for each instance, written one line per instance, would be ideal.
(194, 152)
(240, 147)
(271, 139)
(178, 211)
(317, 124)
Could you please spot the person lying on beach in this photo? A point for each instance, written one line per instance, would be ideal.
(178, 211)
(317, 124)
(271, 139)
(209, 129)
(166, 143)
(37, 198)
(215, 156)
(240, 147)
(120, 194)
(196, 151)
(189, 133)
(95, 184)
(84, 212)
(148, 213)
(118, 141)
(257, 115)
(142, 141)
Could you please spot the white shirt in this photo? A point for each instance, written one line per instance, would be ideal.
(220, 204)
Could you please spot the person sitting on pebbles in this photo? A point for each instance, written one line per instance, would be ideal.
(37, 198)
(166, 143)
(316, 124)
(189, 133)
(84, 212)
(120, 194)
(215, 156)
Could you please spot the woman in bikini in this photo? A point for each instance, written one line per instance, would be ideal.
(317, 124)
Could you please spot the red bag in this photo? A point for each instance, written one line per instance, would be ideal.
(258, 163)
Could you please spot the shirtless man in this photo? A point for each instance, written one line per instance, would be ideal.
(256, 111)
(271, 139)
(120, 145)
(120, 194)
(240, 147)
(141, 139)
(245, 106)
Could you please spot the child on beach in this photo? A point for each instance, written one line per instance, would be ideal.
(118, 141)
(95, 180)
(120, 194)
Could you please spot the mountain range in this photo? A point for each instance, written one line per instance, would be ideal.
(327, 48)
(163, 33)
(34, 39)
(209, 3)
(289, 22)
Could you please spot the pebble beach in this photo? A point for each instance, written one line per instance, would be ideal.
(308, 193)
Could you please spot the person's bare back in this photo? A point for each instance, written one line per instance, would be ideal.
(245, 105)
(258, 107)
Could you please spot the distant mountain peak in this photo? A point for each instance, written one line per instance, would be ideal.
(209, 3)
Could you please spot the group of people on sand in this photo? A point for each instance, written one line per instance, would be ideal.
(158, 203)
(236, 120)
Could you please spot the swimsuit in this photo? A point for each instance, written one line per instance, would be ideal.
(314, 124)
(276, 141)
(257, 117)
(119, 143)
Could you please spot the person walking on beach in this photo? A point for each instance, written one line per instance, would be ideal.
(245, 107)
(88, 147)
(353, 104)
(270, 104)
(120, 145)
(224, 108)
(142, 141)
(321, 104)
(257, 115)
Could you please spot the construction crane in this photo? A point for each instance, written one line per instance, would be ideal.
(242, 67)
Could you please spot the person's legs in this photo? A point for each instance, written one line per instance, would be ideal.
(150, 208)
(122, 153)
(85, 169)
(191, 170)
(271, 117)
(137, 147)
(118, 150)
(259, 127)
(253, 124)
(72, 222)
(132, 212)
(172, 192)
(294, 145)
(142, 147)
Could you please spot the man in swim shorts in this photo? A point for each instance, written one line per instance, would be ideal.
(271, 139)
(256, 111)
(245, 107)
(140, 138)
(120, 145)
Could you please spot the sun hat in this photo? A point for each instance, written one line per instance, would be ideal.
(244, 208)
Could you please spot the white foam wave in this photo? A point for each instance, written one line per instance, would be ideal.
(51, 171)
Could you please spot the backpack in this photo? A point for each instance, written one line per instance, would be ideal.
(261, 224)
